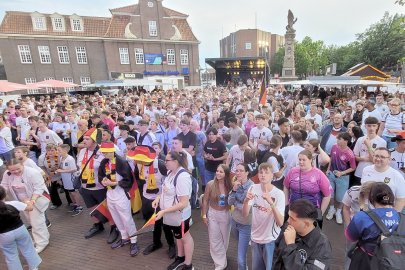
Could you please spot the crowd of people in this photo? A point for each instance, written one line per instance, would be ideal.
(267, 173)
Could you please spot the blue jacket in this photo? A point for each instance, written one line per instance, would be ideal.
(325, 133)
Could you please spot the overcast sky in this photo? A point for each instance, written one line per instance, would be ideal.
(333, 21)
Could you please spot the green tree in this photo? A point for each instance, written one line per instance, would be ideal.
(383, 44)
(276, 66)
(345, 57)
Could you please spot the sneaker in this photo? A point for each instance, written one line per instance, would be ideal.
(120, 243)
(114, 235)
(96, 229)
(186, 267)
(53, 207)
(134, 249)
(77, 211)
(177, 262)
(339, 219)
(172, 252)
(40, 249)
(29, 227)
(151, 248)
(331, 213)
(71, 208)
(48, 224)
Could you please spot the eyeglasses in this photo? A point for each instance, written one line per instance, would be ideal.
(167, 160)
(7, 112)
(395, 105)
(380, 157)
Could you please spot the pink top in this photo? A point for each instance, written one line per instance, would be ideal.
(314, 185)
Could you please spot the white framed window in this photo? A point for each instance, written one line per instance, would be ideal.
(63, 54)
(171, 57)
(139, 57)
(124, 56)
(44, 54)
(85, 80)
(58, 24)
(81, 55)
(184, 57)
(30, 80)
(68, 80)
(25, 54)
(248, 45)
(152, 29)
(39, 23)
(77, 24)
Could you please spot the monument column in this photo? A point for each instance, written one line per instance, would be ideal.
(288, 72)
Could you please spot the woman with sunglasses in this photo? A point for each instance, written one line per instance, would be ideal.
(215, 214)
(392, 122)
(176, 209)
(241, 225)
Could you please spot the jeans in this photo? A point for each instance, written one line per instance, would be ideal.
(18, 239)
(339, 185)
(201, 170)
(389, 143)
(262, 255)
(7, 155)
(242, 234)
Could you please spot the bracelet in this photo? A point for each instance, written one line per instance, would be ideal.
(272, 205)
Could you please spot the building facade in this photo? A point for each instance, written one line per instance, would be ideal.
(251, 43)
(140, 41)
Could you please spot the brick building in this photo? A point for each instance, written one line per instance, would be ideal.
(140, 41)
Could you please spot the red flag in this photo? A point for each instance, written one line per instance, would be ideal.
(102, 213)
(263, 93)
(148, 227)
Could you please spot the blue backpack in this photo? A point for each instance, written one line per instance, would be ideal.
(194, 186)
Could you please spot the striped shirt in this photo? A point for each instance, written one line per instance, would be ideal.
(392, 121)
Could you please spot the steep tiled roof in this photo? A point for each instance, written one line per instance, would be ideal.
(16, 22)
(117, 26)
(133, 9)
(172, 13)
(184, 29)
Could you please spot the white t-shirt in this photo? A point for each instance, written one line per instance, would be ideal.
(264, 227)
(351, 199)
(190, 164)
(67, 164)
(237, 156)
(360, 150)
(263, 133)
(312, 135)
(290, 156)
(317, 119)
(398, 161)
(391, 177)
(24, 125)
(20, 206)
(375, 113)
(48, 137)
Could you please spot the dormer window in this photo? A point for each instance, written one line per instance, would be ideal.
(38, 22)
(76, 23)
(58, 22)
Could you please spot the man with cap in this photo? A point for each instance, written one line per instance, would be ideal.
(93, 193)
(115, 175)
(302, 245)
(151, 171)
(145, 137)
(397, 154)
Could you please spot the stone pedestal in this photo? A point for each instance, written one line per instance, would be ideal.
(288, 72)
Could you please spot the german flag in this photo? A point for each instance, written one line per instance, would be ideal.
(148, 227)
(263, 93)
(102, 213)
(135, 196)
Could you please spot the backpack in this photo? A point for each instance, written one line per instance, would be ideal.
(269, 154)
(194, 186)
(390, 250)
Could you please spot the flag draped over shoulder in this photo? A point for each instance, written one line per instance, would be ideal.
(263, 93)
(135, 195)
(102, 213)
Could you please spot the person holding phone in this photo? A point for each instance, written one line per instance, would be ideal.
(267, 217)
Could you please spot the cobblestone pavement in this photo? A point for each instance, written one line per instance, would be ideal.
(68, 250)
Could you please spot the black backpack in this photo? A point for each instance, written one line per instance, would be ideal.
(390, 250)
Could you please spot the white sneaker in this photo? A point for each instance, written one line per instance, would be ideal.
(40, 249)
(331, 213)
(339, 219)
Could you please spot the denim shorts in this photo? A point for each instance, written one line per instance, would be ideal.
(339, 185)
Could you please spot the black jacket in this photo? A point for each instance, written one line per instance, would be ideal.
(310, 252)
(122, 168)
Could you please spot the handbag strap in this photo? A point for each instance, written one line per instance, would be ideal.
(85, 165)
(299, 182)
